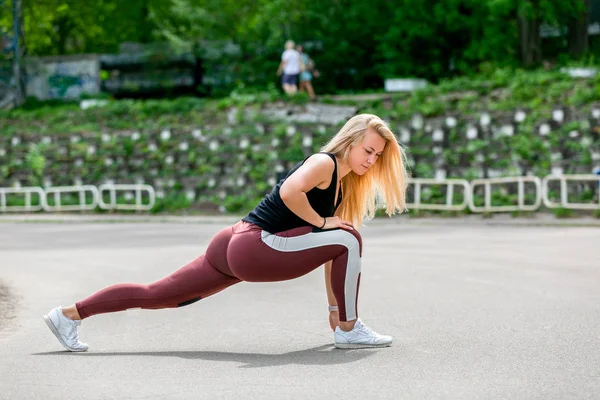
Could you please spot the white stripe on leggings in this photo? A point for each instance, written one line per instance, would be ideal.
(325, 238)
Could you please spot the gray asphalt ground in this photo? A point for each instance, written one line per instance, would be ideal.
(478, 311)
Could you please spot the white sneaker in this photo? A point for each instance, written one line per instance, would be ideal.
(65, 330)
(361, 336)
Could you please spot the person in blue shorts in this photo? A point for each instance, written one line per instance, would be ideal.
(307, 71)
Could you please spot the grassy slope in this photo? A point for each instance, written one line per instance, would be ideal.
(537, 92)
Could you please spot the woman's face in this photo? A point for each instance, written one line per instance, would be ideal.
(366, 153)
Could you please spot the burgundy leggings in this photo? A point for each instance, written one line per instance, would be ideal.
(244, 252)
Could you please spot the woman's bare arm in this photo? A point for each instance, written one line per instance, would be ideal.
(314, 172)
(317, 170)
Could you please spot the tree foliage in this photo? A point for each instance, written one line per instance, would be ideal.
(355, 43)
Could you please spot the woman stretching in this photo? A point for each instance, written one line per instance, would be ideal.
(307, 220)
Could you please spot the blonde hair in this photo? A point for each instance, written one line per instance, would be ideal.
(289, 44)
(384, 184)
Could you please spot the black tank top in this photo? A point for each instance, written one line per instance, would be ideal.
(274, 216)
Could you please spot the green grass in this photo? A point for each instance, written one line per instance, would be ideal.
(502, 90)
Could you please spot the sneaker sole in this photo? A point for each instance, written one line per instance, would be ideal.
(55, 331)
(360, 345)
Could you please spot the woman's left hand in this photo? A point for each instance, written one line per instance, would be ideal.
(336, 222)
(334, 319)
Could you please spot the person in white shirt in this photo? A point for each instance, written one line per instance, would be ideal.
(290, 68)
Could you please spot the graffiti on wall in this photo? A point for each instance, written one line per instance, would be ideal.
(64, 79)
(71, 79)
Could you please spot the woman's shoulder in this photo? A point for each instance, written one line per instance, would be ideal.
(321, 160)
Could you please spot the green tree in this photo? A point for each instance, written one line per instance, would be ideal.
(578, 29)
(560, 14)
(355, 43)
(58, 27)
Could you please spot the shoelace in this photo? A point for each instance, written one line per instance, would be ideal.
(74, 333)
(367, 330)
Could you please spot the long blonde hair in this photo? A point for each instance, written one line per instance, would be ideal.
(384, 184)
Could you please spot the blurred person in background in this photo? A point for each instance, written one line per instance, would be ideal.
(289, 68)
(307, 71)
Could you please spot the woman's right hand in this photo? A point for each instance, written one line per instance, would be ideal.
(337, 222)
(334, 319)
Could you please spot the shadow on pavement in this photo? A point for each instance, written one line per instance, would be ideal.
(321, 355)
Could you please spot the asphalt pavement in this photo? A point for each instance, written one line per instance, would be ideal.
(477, 310)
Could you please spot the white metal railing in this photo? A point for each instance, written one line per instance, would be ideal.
(83, 205)
(85, 193)
(564, 194)
(138, 190)
(520, 206)
(27, 191)
(449, 183)
(112, 190)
